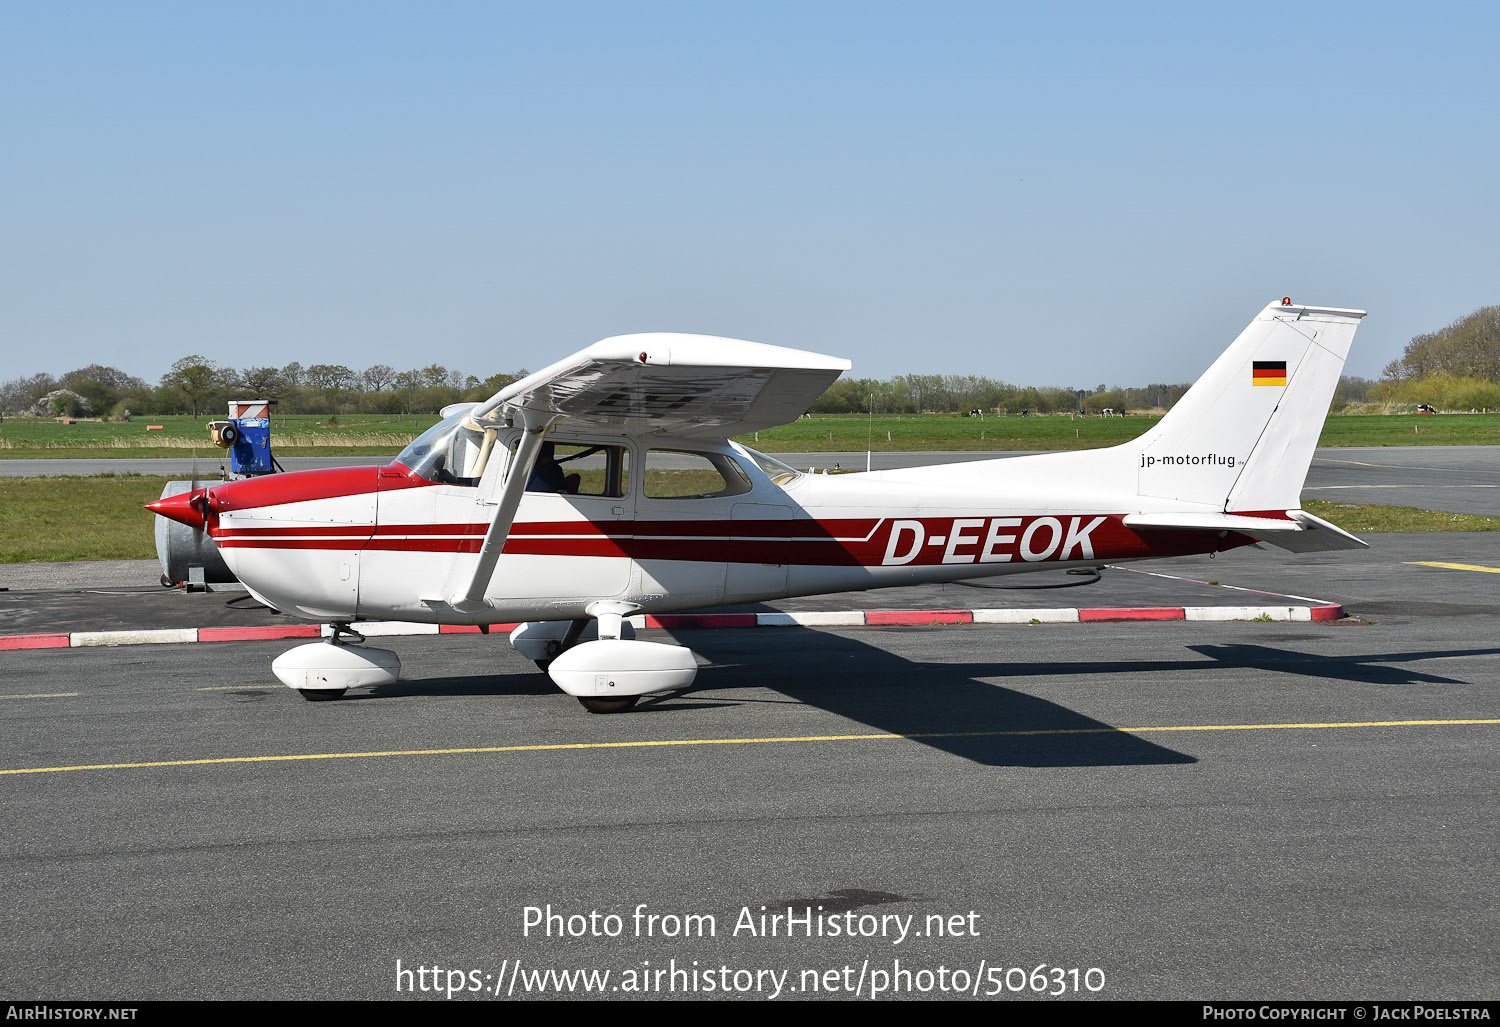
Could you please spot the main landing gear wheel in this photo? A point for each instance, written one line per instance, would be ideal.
(321, 694)
(595, 704)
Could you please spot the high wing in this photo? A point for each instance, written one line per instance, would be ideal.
(666, 384)
(669, 384)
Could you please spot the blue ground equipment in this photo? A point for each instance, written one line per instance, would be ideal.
(187, 555)
(247, 436)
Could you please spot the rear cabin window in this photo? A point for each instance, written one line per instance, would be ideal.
(679, 474)
(778, 472)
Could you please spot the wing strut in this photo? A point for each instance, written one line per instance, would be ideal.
(471, 599)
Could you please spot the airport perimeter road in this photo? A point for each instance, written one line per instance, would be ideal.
(1459, 479)
(1196, 810)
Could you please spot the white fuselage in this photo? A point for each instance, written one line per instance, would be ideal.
(387, 544)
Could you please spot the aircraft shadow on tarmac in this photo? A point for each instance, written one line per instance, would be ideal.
(944, 705)
(979, 720)
(1370, 670)
(482, 683)
(941, 705)
(952, 707)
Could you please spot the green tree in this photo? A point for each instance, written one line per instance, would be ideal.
(264, 382)
(378, 377)
(101, 386)
(407, 383)
(20, 394)
(1467, 348)
(197, 380)
(1108, 399)
(329, 377)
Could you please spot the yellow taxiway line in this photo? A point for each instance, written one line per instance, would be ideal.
(1454, 566)
(750, 741)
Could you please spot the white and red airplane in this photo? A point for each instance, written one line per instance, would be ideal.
(478, 521)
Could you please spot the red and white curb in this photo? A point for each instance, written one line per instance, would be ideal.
(820, 619)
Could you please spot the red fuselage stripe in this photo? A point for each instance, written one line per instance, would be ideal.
(851, 542)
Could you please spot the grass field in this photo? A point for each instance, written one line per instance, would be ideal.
(373, 434)
(837, 432)
(291, 435)
(1363, 519)
(56, 520)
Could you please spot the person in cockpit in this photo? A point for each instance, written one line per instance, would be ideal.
(548, 475)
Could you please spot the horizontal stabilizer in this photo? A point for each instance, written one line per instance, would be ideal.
(1317, 536)
(1300, 532)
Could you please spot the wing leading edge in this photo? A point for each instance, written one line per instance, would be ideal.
(669, 384)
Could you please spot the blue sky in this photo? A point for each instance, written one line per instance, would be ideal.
(1067, 194)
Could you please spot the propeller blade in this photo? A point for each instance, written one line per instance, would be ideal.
(200, 500)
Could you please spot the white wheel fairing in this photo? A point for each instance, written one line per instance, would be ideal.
(321, 666)
(616, 667)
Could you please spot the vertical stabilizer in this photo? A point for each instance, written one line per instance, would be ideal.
(1243, 437)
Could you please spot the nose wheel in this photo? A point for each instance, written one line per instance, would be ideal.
(320, 671)
(321, 694)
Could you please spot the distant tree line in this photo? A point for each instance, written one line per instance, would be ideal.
(959, 394)
(1454, 368)
(197, 386)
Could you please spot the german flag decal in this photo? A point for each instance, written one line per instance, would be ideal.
(1269, 372)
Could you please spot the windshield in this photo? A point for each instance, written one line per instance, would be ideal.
(778, 472)
(454, 451)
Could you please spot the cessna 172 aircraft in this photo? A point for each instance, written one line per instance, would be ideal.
(477, 523)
